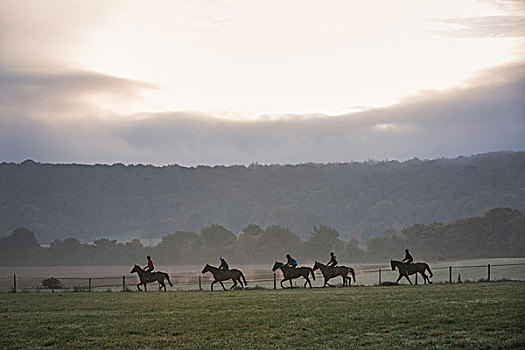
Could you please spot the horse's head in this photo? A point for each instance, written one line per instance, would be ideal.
(136, 268)
(317, 265)
(206, 268)
(392, 265)
(276, 265)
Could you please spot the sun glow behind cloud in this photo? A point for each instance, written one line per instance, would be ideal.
(242, 60)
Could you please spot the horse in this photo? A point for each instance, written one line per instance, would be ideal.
(412, 269)
(289, 273)
(330, 272)
(223, 275)
(148, 277)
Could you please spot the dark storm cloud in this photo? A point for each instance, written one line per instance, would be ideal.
(488, 115)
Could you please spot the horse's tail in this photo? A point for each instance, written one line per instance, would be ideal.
(352, 272)
(312, 272)
(168, 278)
(428, 268)
(243, 279)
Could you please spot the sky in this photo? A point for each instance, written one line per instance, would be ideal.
(241, 82)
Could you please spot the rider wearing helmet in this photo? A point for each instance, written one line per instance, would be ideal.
(149, 267)
(333, 260)
(290, 262)
(224, 265)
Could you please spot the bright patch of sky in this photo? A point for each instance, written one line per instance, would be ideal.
(243, 59)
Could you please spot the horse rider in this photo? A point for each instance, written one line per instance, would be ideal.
(290, 262)
(333, 260)
(149, 267)
(224, 265)
(408, 258)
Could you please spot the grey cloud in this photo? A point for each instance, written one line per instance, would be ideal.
(60, 92)
(488, 26)
(487, 116)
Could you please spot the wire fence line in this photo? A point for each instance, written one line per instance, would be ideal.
(190, 281)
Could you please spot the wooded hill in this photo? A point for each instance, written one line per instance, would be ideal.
(360, 199)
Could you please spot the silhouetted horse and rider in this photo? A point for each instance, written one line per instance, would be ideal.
(331, 272)
(224, 273)
(149, 277)
(406, 268)
(410, 269)
(290, 273)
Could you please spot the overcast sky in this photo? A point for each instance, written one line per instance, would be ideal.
(236, 82)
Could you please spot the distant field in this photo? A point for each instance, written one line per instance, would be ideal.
(474, 315)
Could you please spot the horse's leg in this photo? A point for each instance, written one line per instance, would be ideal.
(212, 283)
(138, 286)
(222, 284)
(406, 276)
(234, 284)
(307, 281)
(284, 279)
(400, 275)
(145, 287)
(291, 286)
(424, 277)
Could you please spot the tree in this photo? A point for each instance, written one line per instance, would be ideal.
(217, 235)
(20, 240)
(322, 240)
(253, 230)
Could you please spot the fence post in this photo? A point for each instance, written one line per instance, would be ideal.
(200, 283)
(274, 280)
(123, 283)
(89, 289)
(450, 274)
(52, 284)
(379, 277)
(14, 283)
(488, 272)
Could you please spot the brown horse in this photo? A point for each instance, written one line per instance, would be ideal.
(412, 269)
(331, 272)
(148, 277)
(223, 275)
(289, 273)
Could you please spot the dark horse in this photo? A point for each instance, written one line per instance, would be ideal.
(289, 273)
(148, 277)
(331, 272)
(223, 275)
(412, 269)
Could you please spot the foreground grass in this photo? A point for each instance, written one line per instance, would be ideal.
(481, 315)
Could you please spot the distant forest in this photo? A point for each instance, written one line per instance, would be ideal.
(361, 200)
(499, 233)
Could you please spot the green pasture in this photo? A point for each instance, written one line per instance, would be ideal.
(443, 316)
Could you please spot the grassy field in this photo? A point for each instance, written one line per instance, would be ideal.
(475, 315)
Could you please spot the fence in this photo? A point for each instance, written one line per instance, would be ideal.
(364, 277)
(451, 274)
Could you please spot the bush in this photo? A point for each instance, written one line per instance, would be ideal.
(52, 283)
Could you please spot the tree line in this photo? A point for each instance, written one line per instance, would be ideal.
(499, 233)
(358, 199)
